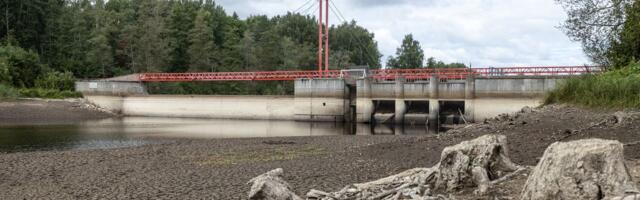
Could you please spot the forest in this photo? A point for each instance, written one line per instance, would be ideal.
(46, 44)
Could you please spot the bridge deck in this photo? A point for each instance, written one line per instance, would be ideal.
(382, 74)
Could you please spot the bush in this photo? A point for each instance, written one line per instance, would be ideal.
(5, 72)
(614, 89)
(23, 66)
(56, 81)
(8, 91)
(48, 93)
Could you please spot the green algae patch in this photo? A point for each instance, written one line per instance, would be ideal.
(266, 155)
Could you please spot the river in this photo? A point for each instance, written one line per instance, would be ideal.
(135, 131)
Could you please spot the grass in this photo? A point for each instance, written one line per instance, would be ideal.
(8, 92)
(48, 93)
(618, 88)
(276, 154)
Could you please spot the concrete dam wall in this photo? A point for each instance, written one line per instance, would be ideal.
(221, 107)
(337, 100)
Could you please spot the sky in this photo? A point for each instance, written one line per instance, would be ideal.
(483, 33)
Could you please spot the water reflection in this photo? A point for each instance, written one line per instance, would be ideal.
(134, 131)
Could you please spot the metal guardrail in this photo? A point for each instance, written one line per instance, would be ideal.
(383, 74)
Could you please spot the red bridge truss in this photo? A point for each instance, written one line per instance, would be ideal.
(381, 74)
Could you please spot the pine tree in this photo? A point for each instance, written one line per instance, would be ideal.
(151, 47)
(202, 49)
(100, 55)
(248, 50)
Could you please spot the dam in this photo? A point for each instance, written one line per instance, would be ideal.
(378, 97)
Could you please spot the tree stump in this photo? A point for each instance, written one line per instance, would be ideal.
(271, 186)
(583, 169)
(470, 163)
(474, 163)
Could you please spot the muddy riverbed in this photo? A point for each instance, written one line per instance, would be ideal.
(180, 168)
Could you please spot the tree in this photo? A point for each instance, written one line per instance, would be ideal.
(433, 63)
(246, 47)
(356, 42)
(296, 56)
(104, 38)
(627, 48)
(340, 59)
(409, 55)
(24, 66)
(100, 55)
(202, 49)
(234, 33)
(27, 20)
(150, 48)
(180, 23)
(596, 24)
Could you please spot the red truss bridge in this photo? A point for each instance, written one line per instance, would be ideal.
(380, 74)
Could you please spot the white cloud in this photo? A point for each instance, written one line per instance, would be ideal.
(481, 32)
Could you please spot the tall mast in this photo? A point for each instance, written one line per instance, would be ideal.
(320, 38)
(326, 37)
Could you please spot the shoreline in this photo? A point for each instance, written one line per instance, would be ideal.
(170, 168)
(31, 111)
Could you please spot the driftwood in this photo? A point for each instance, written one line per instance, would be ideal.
(271, 186)
(583, 169)
(471, 163)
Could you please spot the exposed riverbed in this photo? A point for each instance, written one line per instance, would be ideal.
(209, 166)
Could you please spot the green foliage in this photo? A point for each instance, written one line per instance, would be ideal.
(353, 45)
(433, 63)
(56, 81)
(5, 72)
(24, 66)
(150, 47)
(100, 38)
(614, 89)
(202, 49)
(227, 88)
(409, 55)
(627, 48)
(48, 93)
(7, 91)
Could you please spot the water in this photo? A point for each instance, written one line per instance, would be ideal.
(135, 131)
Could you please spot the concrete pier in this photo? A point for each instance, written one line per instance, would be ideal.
(364, 103)
(434, 113)
(401, 106)
(433, 87)
(321, 100)
(469, 96)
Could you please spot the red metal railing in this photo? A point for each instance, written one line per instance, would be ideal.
(385, 74)
(236, 76)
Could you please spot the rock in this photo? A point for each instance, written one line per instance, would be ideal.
(627, 197)
(583, 169)
(619, 117)
(526, 109)
(474, 163)
(271, 186)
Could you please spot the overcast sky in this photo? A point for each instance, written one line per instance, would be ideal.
(481, 32)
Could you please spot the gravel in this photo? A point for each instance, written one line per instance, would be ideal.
(220, 168)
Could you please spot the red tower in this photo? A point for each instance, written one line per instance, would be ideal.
(323, 36)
